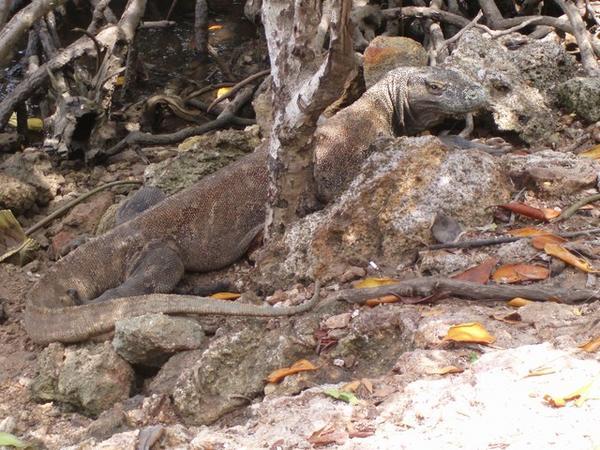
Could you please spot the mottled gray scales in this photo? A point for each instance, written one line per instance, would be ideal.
(211, 224)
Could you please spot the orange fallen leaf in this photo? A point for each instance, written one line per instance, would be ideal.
(565, 255)
(374, 282)
(527, 231)
(302, 365)
(478, 274)
(525, 210)
(540, 242)
(469, 332)
(391, 298)
(579, 395)
(329, 434)
(215, 27)
(593, 153)
(517, 302)
(226, 295)
(515, 273)
(551, 213)
(591, 346)
(445, 370)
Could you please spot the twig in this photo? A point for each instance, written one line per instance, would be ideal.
(496, 34)
(212, 87)
(171, 8)
(586, 51)
(66, 207)
(237, 87)
(139, 138)
(506, 239)
(457, 36)
(157, 24)
(575, 206)
(422, 287)
(423, 12)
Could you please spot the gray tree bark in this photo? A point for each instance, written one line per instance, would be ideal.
(306, 78)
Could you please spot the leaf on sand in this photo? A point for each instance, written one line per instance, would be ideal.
(565, 255)
(215, 27)
(344, 396)
(478, 274)
(15, 246)
(517, 302)
(11, 440)
(527, 232)
(302, 365)
(515, 273)
(469, 332)
(593, 153)
(540, 371)
(374, 282)
(329, 434)
(580, 396)
(391, 298)
(591, 346)
(226, 295)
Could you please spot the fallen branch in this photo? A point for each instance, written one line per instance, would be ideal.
(505, 240)
(426, 286)
(575, 207)
(14, 30)
(139, 138)
(238, 86)
(66, 207)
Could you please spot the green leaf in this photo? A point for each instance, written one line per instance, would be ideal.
(347, 397)
(9, 439)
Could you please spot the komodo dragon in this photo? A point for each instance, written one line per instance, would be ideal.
(211, 224)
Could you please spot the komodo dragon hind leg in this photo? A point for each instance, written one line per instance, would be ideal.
(157, 268)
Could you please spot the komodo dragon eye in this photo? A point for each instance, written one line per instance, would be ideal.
(435, 87)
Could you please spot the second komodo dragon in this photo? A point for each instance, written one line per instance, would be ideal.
(129, 271)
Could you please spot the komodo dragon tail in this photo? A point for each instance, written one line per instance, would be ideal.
(78, 323)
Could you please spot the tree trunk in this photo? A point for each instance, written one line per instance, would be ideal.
(305, 80)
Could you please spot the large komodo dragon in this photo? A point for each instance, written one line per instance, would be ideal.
(128, 271)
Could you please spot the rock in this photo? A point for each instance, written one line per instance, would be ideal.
(385, 53)
(387, 211)
(522, 78)
(86, 216)
(232, 370)
(16, 195)
(91, 378)
(443, 262)
(108, 423)
(581, 95)
(152, 338)
(166, 379)
(10, 142)
(200, 156)
(34, 167)
(552, 174)
(263, 107)
(64, 242)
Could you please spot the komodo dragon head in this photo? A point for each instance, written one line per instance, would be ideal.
(423, 97)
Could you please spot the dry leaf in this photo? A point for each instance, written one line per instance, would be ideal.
(511, 318)
(593, 153)
(525, 210)
(302, 365)
(223, 91)
(215, 27)
(445, 370)
(540, 242)
(551, 213)
(515, 273)
(374, 282)
(328, 435)
(391, 298)
(568, 257)
(579, 396)
(527, 232)
(517, 302)
(226, 295)
(478, 274)
(591, 346)
(469, 332)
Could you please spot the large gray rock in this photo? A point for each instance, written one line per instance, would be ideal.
(152, 338)
(522, 76)
(582, 95)
(91, 378)
(388, 210)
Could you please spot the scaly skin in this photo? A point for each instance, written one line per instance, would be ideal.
(210, 225)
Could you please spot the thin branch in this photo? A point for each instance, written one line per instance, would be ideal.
(575, 207)
(426, 286)
(238, 86)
